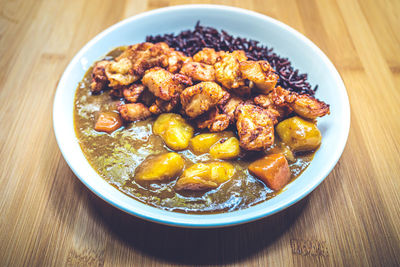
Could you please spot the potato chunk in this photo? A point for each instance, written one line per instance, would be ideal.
(225, 149)
(163, 167)
(174, 130)
(299, 134)
(273, 170)
(202, 176)
(202, 143)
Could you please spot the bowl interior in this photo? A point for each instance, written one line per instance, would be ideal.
(285, 41)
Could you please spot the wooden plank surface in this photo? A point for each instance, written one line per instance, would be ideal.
(49, 218)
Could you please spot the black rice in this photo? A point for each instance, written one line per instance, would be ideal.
(192, 41)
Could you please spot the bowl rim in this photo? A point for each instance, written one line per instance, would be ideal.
(207, 220)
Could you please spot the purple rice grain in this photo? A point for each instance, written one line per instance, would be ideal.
(192, 41)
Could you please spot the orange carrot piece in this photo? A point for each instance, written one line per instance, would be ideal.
(108, 122)
(273, 170)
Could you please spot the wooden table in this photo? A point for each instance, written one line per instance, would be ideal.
(49, 218)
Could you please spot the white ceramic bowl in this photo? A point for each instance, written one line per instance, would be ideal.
(286, 41)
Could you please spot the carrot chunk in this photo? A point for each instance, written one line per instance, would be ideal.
(273, 170)
(108, 122)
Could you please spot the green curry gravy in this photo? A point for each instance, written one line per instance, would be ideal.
(115, 156)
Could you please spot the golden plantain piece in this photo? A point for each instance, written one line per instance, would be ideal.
(163, 167)
(299, 134)
(203, 176)
(174, 130)
(201, 144)
(226, 148)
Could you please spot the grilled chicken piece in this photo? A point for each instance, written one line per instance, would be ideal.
(134, 112)
(144, 56)
(99, 78)
(304, 105)
(132, 93)
(214, 120)
(244, 91)
(220, 117)
(201, 97)
(199, 71)
(255, 127)
(277, 113)
(176, 60)
(135, 60)
(147, 98)
(309, 107)
(208, 56)
(260, 73)
(230, 107)
(119, 73)
(163, 84)
(227, 70)
(161, 106)
(116, 92)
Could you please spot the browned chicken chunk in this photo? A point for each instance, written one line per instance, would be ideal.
(132, 93)
(201, 97)
(230, 107)
(199, 71)
(244, 91)
(227, 70)
(277, 113)
(208, 56)
(161, 106)
(213, 120)
(260, 73)
(219, 118)
(99, 78)
(304, 105)
(119, 73)
(163, 84)
(255, 127)
(147, 98)
(176, 59)
(144, 56)
(309, 107)
(116, 92)
(134, 112)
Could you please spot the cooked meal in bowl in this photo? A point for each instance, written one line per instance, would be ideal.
(200, 122)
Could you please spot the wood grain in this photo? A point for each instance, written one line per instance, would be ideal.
(48, 218)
